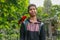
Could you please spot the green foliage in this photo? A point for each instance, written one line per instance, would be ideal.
(10, 12)
(54, 16)
(55, 10)
(41, 15)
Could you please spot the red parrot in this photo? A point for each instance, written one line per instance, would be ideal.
(22, 19)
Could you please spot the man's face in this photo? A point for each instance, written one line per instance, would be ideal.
(32, 11)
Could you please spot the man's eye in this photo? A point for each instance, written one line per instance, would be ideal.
(30, 9)
(33, 9)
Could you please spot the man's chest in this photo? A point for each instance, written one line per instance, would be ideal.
(32, 27)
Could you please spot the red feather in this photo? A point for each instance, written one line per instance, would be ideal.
(22, 19)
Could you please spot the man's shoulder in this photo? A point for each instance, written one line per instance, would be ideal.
(25, 21)
(41, 23)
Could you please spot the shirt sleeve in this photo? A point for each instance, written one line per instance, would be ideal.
(42, 33)
(22, 32)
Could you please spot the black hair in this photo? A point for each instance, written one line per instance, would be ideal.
(31, 5)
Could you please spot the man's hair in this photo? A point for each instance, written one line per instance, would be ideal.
(31, 5)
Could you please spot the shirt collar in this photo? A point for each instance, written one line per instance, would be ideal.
(35, 22)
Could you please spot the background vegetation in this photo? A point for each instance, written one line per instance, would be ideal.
(12, 10)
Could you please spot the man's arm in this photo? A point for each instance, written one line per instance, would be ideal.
(22, 32)
(42, 33)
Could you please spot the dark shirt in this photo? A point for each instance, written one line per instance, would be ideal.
(33, 35)
(32, 31)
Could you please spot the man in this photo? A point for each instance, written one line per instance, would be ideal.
(32, 28)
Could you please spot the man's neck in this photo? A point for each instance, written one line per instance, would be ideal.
(33, 19)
